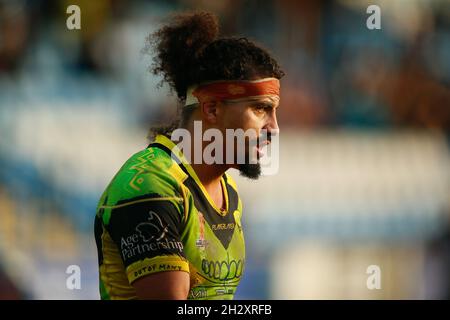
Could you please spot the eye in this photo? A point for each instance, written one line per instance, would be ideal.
(262, 108)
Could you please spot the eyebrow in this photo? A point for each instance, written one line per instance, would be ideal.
(265, 104)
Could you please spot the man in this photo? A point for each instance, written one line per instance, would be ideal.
(168, 227)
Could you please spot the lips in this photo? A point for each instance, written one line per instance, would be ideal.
(259, 153)
(259, 149)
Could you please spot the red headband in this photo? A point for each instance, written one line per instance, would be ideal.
(233, 90)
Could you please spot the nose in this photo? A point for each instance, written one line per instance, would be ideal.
(272, 123)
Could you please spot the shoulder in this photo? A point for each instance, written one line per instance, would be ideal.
(149, 173)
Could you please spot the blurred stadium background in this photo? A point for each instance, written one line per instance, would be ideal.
(364, 166)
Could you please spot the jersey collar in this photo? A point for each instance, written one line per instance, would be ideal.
(181, 160)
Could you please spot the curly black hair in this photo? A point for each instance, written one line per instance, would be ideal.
(188, 52)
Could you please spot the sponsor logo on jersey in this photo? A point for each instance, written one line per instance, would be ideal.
(150, 236)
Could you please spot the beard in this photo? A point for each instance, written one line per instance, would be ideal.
(250, 170)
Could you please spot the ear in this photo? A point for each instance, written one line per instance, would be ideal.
(209, 111)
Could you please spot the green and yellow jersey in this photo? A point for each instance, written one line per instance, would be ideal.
(156, 216)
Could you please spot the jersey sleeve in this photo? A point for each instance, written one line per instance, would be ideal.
(147, 234)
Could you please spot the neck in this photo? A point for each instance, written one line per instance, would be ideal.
(209, 175)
